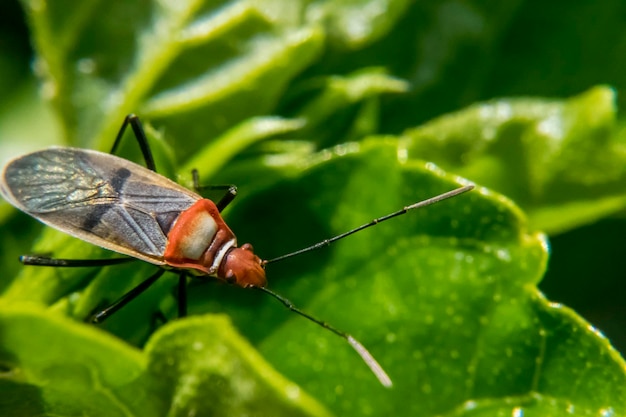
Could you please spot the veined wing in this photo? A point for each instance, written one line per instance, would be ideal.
(97, 197)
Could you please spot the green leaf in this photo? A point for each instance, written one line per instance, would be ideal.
(443, 294)
(533, 151)
(355, 24)
(53, 366)
(338, 97)
(235, 141)
(447, 293)
(192, 60)
(206, 368)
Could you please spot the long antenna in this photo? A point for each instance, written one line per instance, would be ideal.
(356, 345)
(374, 222)
(365, 355)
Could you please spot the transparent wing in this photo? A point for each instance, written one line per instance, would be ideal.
(100, 198)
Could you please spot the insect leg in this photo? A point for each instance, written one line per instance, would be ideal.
(182, 294)
(36, 260)
(229, 196)
(126, 298)
(140, 135)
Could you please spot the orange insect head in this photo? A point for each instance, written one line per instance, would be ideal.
(242, 267)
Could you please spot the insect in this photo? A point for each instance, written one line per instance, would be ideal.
(121, 206)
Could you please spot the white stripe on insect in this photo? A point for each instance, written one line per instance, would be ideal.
(219, 256)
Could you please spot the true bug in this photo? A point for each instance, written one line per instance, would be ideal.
(121, 206)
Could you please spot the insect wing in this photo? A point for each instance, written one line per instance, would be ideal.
(100, 198)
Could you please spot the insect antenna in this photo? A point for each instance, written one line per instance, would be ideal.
(374, 222)
(367, 357)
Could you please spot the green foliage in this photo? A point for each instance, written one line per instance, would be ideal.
(317, 110)
(536, 148)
